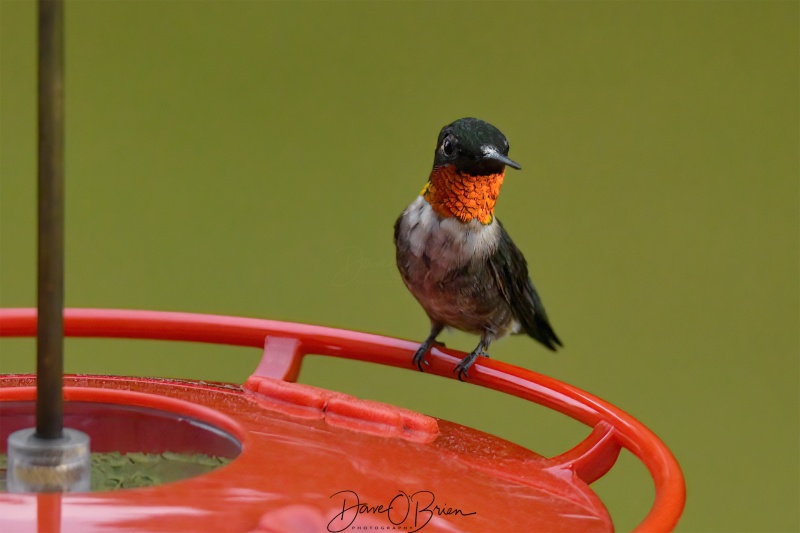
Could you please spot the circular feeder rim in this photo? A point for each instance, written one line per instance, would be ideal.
(286, 343)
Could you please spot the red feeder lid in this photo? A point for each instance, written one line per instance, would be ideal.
(316, 460)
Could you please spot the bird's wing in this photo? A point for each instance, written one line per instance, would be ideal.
(511, 275)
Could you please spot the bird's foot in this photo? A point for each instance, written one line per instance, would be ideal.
(465, 364)
(419, 357)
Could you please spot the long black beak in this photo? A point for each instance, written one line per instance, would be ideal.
(497, 156)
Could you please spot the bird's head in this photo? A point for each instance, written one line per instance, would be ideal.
(468, 169)
(474, 147)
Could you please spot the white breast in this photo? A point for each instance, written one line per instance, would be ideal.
(446, 241)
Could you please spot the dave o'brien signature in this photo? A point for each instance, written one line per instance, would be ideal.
(420, 506)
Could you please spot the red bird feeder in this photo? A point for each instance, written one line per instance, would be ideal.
(309, 459)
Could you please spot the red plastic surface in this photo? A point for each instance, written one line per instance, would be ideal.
(291, 468)
(342, 410)
(286, 344)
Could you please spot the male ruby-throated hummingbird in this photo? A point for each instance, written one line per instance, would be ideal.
(455, 256)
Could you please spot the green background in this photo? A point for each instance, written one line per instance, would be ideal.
(250, 158)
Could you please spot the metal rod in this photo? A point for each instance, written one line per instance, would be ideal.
(50, 293)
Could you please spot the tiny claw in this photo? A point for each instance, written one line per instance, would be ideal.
(419, 357)
(462, 367)
(465, 364)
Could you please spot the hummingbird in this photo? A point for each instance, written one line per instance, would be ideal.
(455, 256)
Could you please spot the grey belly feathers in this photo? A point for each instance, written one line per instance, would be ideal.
(443, 262)
(469, 276)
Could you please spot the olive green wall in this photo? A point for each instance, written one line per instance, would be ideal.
(250, 158)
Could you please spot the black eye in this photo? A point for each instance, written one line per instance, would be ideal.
(448, 146)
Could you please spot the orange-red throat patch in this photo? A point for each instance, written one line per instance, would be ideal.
(454, 194)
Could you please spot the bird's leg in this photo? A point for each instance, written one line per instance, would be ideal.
(479, 351)
(419, 357)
